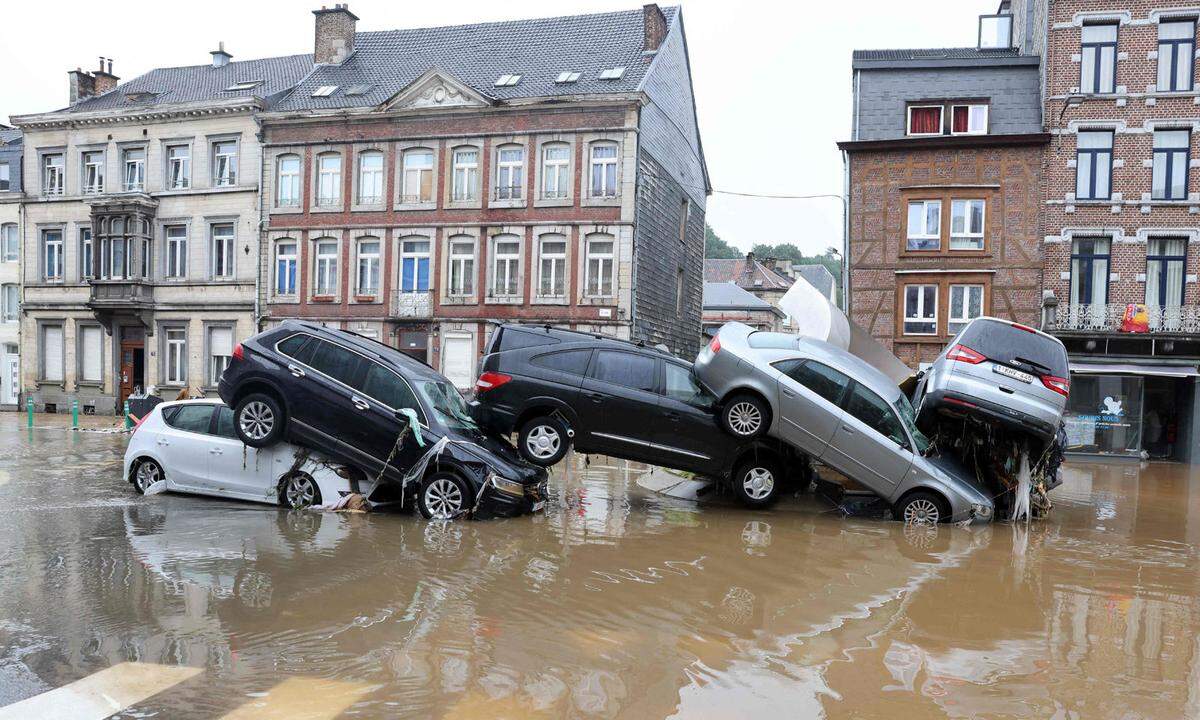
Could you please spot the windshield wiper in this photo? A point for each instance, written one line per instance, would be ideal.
(1034, 364)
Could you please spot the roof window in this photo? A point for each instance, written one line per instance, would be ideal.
(243, 85)
(325, 91)
(507, 80)
(568, 76)
(359, 89)
(615, 73)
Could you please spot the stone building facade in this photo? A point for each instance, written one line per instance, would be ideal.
(416, 197)
(944, 170)
(10, 267)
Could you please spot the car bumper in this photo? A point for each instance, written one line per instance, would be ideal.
(950, 403)
(492, 418)
(494, 503)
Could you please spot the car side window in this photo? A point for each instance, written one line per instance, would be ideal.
(876, 414)
(682, 386)
(574, 362)
(821, 379)
(191, 418)
(627, 369)
(297, 347)
(387, 387)
(225, 423)
(336, 361)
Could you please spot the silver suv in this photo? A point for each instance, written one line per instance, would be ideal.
(1000, 371)
(841, 411)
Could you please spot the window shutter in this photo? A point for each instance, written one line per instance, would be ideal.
(93, 350)
(220, 343)
(53, 353)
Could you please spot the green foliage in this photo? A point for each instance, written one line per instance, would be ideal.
(715, 247)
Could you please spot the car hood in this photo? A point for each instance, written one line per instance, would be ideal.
(953, 470)
(497, 453)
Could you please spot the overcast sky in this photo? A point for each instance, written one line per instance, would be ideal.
(772, 79)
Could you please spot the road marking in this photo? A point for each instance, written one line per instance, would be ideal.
(101, 694)
(301, 698)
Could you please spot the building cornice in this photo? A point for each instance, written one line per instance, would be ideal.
(373, 112)
(117, 116)
(945, 141)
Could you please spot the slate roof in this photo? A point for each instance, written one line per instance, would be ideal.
(537, 50)
(960, 53)
(755, 276)
(198, 83)
(818, 276)
(728, 296)
(9, 135)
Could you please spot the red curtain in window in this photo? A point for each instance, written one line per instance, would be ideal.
(925, 120)
(959, 122)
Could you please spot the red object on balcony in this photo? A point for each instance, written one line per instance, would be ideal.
(1136, 319)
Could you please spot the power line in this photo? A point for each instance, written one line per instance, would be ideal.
(778, 197)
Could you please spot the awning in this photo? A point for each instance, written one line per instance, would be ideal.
(1134, 369)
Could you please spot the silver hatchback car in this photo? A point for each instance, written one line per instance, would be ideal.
(841, 411)
(997, 371)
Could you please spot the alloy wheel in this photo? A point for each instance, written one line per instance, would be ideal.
(758, 483)
(922, 512)
(543, 442)
(745, 418)
(148, 473)
(443, 499)
(257, 420)
(300, 492)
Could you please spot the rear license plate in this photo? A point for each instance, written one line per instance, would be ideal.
(1013, 373)
(537, 506)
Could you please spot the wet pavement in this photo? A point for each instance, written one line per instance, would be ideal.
(614, 603)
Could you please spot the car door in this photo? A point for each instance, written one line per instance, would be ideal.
(686, 429)
(235, 467)
(870, 444)
(325, 399)
(383, 393)
(183, 445)
(618, 404)
(810, 397)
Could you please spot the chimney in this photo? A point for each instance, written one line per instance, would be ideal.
(83, 85)
(220, 57)
(334, 34)
(655, 27)
(104, 79)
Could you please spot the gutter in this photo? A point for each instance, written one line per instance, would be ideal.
(946, 141)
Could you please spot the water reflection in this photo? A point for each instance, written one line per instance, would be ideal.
(614, 603)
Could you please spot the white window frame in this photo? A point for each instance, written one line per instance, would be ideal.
(461, 266)
(331, 177)
(175, 356)
(941, 120)
(10, 243)
(557, 267)
(376, 177)
(223, 243)
(920, 317)
(91, 180)
(559, 170)
(82, 330)
(181, 180)
(293, 262)
(510, 174)
(971, 108)
(962, 317)
(325, 267)
(54, 173)
(464, 175)
(924, 234)
(214, 373)
(966, 233)
(175, 252)
(87, 257)
(608, 165)
(224, 162)
(134, 168)
(49, 256)
(59, 367)
(410, 176)
(290, 181)
(416, 256)
(10, 307)
(606, 263)
(505, 267)
(371, 263)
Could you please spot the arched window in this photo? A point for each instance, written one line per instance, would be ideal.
(462, 266)
(600, 268)
(368, 266)
(552, 265)
(285, 267)
(329, 179)
(556, 170)
(287, 181)
(604, 170)
(325, 271)
(370, 178)
(506, 266)
(417, 181)
(465, 174)
(510, 172)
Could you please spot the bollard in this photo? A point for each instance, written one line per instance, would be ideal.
(128, 421)
(29, 407)
(74, 414)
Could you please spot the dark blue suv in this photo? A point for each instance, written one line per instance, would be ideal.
(350, 398)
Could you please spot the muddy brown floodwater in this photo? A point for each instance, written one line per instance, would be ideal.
(614, 603)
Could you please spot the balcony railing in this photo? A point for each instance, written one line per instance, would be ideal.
(412, 304)
(130, 292)
(1127, 318)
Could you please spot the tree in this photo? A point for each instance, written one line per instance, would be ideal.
(715, 247)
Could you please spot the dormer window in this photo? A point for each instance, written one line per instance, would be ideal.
(995, 32)
(325, 91)
(966, 117)
(924, 120)
(969, 119)
(507, 80)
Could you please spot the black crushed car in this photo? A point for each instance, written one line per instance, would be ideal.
(365, 404)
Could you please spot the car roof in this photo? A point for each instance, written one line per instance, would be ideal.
(569, 336)
(782, 345)
(410, 365)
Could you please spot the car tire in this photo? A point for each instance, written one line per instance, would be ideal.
(745, 416)
(259, 420)
(921, 507)
(146, 473)
(299, 492)
(444, 496)
(758, 483)
(543, 441)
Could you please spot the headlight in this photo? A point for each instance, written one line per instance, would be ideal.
(506, 486)
(981, 510)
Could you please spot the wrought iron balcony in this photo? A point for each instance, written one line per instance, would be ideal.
(1126, 318)
(412, 304)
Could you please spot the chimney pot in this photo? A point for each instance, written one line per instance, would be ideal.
(334, 34)
(220, 58)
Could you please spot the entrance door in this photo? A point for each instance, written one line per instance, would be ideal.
(133, 368)
(415, 343)
(458, 360)
(10, 374)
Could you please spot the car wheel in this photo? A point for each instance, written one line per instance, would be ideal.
(758, 483)
(444, 496)
(299, 491)
(543, 441)
(147, 473)
(259, 420)
(745, 416)
(921, 508)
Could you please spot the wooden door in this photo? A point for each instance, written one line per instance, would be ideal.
(127, 379)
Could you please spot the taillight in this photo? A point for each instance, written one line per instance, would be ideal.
(490, 381)
(715, 345)
(1062, 386)
(238, 353)
(1026, 328)
(962, 353)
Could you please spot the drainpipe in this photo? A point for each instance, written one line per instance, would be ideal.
(262, 211)
(846, 233)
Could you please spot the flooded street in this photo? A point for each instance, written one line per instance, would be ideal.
(614, 603)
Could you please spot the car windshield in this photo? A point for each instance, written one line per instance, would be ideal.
(448, 404)
(909, 417)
